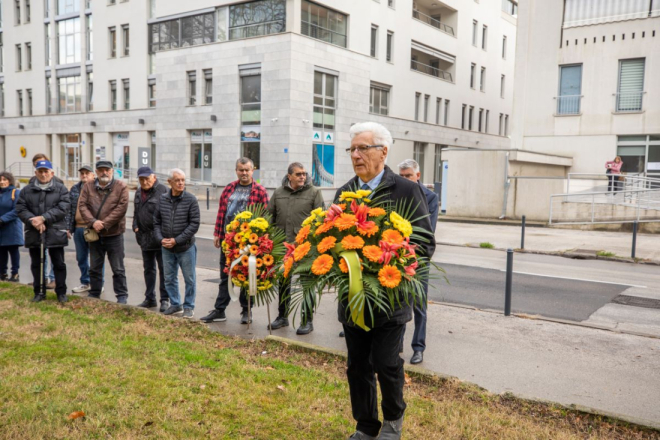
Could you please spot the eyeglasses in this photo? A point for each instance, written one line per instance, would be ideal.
(362, 149)
(300, 174)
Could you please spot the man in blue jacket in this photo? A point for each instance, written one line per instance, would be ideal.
(409, 169)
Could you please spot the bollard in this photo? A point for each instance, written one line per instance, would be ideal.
(634, 243)
(522, 238)
(207, 199)
(509, 278)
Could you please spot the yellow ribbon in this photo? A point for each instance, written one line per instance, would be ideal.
(355, 285)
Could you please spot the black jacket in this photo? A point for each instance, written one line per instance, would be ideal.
(395, 188)
(143, 216)
(74, 195)
(53, 204)
(177, 218)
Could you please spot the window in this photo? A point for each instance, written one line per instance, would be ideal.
(417, 98)
(67, 6)
(208, 86)
(501, 126)
(2, 53)
(570, 89)
(250, 100)
(113, 95)
(473, 68)
(201, 148)
(484, 37)
(46, 8)
(502, 85)
(481, 120)
(90, 91)
(29, 101)
(28, 56)
(254, 19)
(152, 92)
(323, 145)
(506, 125)
(475, 32)
(19, 58)
(127, 93)
(470, 117)
(19, 102)
(47, 45)
(68, 36)
(88, 4)
(125, 36)
(189, 31)
(504, 47)
(418, 155)
(437, 169)
(17, 12)
(90, 38)
(2, 99)
(112, 39)
(510, 7)
(390, 42)
(49, 97)
(463, 116)
(324, 24)
(197, 30)
(438, 106)
(486, 121)
(446, 120)
(374, 41)
(69, 94)
(482, 80)
(192, 88)
(112, 2)
(379, 99)
(426, 107)
(27, 15)
(631, 85)
(390, 3)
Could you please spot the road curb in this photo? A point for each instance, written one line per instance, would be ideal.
(428, 374)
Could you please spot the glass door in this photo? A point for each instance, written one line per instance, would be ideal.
(201, 155)
(70, 154)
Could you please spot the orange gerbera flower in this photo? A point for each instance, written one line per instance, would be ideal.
(376, 212)
(342, 206)
(237, 238)
(342, 265)
(269, 260)
(237, 253)
(345, 221)
(301, 251)
(260, 262)
(326, 244)
(302, 234)
(244, 227)
(241, 277)
(254, 249)
(322, 265)
(244, 260)
(389, 276)
(368, 231)
(392, 236)
(372, 253)
(352, 242)
(288, 264)
(254, 238)
(325, 227)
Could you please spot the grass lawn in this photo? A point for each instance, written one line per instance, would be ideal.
(136, 374)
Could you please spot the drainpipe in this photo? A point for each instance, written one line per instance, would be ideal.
(507, 184)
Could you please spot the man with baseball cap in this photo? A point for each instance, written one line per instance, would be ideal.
(147, 199)
(103, 203)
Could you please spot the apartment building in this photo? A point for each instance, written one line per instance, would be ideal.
(587, 83)
(197, 84)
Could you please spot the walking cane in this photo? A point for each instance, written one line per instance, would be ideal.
(43, 261)
(270, 329)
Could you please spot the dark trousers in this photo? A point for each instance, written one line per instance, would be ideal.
(113, 247)
(151, 260)
(285, 303)
(223, 299)
(57, 259)
(419, 334)
(370, 353)
(613, 183)
(7, 252)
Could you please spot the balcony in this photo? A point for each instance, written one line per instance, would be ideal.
(568, 105)
(432, 62)
(436, 14)
(629, 102)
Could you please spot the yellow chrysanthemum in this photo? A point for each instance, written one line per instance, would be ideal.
(319, 212)
(265, 285)
(389, 276)
(236, 282)
(348, 195)
(322, 264)
(245, 215)
(401, 224)
(259, 223)
(363, 193)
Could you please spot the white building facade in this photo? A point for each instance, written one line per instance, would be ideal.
(588, 83)
(197, 84)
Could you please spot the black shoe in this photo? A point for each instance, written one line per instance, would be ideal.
(94, 296)
(148, 303)
(417, 357)
(14, 278)
(38, 298)
(342, 334)
(62, 298)
(171, 310)
(122, 299)
(280, 321)
(164, 305)
(245, 319)
(4, 277)
(305, 329)
(214, 316)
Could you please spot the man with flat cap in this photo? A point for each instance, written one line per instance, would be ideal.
(76, 228)
(147, 198)
(103, 203)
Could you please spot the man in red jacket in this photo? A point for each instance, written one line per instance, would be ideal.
(236, 197)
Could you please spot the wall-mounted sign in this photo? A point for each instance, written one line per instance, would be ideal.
(144, 157)
(23, 151)
(251, 133)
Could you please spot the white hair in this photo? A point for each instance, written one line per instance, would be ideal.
(409, 163)
(381, 134)
(174, 171)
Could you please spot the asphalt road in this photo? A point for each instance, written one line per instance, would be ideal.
(552, 297)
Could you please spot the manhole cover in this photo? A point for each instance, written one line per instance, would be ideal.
(637, 301)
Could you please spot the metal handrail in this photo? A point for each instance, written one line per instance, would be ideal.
(419, 15)
(568, 104)
(629, 102)
(636, 179)
(429, 70)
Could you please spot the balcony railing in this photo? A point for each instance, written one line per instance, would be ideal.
(418, 15)
(315, 31)
(629, 102)
(568, 105)
(429, 70)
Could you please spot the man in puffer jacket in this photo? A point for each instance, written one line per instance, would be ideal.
(176, 221)
(43, 206)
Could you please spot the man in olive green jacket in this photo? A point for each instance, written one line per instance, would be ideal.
(290, 204)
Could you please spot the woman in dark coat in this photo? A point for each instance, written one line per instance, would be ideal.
(11, 229)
